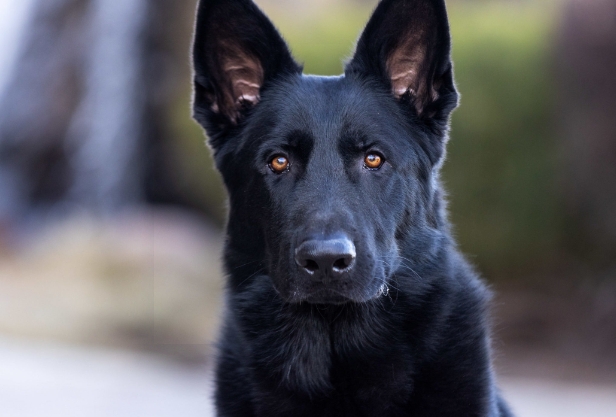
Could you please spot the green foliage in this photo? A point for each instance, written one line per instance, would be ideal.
(501, 166)
(325, 36)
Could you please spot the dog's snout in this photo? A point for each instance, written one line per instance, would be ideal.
(326, 258)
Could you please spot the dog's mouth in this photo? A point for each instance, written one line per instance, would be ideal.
(335, 296)
(326, 296)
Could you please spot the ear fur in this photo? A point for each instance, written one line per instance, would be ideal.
(236, 52)
(406, 44)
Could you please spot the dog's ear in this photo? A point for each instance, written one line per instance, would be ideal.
(406, 44)
(236, 52)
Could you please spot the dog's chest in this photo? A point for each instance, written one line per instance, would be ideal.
(347, 363)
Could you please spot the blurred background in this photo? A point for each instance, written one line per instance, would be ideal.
(111, 213)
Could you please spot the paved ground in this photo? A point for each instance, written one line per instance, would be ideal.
(53, 381)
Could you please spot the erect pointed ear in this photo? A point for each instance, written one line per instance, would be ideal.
(236, 52)
(406, 44)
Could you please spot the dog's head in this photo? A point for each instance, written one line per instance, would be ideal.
(329, 178)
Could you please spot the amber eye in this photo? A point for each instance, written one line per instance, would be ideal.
(279, 164)
(373, 161)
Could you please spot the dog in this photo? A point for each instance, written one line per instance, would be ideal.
(346, 294)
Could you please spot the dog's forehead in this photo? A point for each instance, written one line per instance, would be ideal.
(324, 106)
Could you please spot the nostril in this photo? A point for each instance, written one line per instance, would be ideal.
(310, 265)
(342, 263)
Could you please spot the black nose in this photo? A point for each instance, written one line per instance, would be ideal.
(328, 257)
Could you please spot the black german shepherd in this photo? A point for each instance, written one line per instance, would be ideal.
(346, 293)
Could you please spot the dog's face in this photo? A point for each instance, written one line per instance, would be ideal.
(332, 177)
(327, 176)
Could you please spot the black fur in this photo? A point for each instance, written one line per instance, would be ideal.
(402, 330)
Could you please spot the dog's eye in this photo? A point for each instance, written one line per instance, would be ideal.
(373, 161)
(279, 164)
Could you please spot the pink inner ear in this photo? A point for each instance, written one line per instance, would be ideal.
(246, 92)
(404, 67)
(244, 75)
(408, 70)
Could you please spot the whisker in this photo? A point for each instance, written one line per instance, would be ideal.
(246, 264)
(258, 271)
